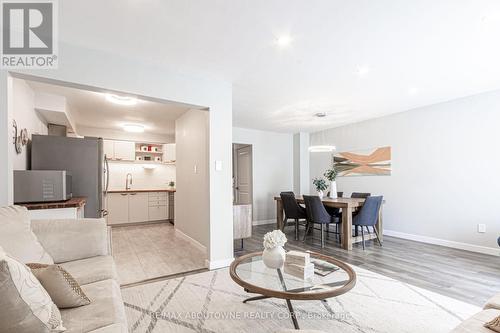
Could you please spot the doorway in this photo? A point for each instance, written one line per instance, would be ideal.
(242, 174)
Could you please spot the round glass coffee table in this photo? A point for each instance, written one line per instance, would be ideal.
(333, 278)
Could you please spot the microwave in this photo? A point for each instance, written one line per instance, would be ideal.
(42, 186)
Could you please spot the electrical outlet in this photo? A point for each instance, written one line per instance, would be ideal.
(218, 165)
(481, 228)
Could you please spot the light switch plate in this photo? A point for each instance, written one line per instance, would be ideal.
(218, 165)
(195, 169)
(481, 228)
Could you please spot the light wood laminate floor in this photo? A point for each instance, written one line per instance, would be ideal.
(150, 251)
(466, 276)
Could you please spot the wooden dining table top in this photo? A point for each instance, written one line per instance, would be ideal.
(337, 202)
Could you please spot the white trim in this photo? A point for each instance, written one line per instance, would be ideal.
(193, 241)
(261, 222)
(218, 263)
(444, 242)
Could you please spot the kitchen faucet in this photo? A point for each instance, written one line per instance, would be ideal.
(128, 185)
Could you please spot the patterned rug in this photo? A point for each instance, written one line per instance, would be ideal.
(211, 302)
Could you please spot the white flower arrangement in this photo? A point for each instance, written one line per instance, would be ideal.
(273, 239)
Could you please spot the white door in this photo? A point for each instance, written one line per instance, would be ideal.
(117, 204)
(244, 176)
(138, 207)
(124, 150)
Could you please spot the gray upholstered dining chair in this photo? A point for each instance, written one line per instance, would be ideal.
(359, 195)
(292, 211)
(368, 216)
(317, 214)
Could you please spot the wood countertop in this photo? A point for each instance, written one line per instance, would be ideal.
(76, 202)
(140, 191)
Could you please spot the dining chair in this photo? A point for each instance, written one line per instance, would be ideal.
(317, 214)
(359, 195)
(292, 211)
(368, 216)
(339, 194)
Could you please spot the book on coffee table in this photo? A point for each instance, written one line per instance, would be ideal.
(323, 268)
(299, 271)
(297, 258)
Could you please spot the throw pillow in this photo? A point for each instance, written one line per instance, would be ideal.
(61, 286)
(494, 325)
(24, 305)
(17, 239)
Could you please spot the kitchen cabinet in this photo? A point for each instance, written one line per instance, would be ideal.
(157, 206)
(117, 206)
(138, 207)
(169, 152)
(108, 148)
(124, 151)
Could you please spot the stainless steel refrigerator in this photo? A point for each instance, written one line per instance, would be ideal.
(84, 158)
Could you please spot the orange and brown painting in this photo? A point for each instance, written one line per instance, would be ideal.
(374, 162)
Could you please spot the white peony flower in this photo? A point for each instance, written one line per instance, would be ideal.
(274, 238)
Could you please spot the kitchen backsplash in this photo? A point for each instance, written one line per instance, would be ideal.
(142, 178)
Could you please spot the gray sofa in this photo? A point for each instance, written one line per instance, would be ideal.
(83, 248)
(475, 324)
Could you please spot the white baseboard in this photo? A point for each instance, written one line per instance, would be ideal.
(444, 242)
(261, 222)
(216, 264)
(193, 241)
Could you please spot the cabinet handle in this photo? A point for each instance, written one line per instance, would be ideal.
(123, 194)
(133, 193)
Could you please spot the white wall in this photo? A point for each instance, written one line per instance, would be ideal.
(272, 168)
(118, 73)
(23, 112)
(445, 170)
(191, 137)
(156, 178)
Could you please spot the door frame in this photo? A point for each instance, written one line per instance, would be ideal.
(235, 147)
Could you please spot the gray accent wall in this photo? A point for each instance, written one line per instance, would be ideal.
(445, 179)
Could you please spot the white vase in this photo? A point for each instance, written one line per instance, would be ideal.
(320, 194)
(333, 190)
(274, 258)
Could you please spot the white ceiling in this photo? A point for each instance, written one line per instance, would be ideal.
(414, 52)
(91, 109)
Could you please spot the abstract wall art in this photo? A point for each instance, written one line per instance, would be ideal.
(370, 162)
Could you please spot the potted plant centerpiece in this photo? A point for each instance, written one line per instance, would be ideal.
(331, 175)
(274, 253)
(320, 185)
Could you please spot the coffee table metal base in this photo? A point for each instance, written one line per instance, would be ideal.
(288, 302)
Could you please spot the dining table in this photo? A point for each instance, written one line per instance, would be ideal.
(347, 206)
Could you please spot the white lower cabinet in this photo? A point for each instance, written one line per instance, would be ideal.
(133, 207)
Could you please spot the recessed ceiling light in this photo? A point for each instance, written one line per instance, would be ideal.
(122, 100)
(134, 128)
(321, 149)
(362, 70)
(413, 91)
(320, 114)
(283, 41)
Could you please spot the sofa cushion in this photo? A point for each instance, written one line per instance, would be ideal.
(475, 324)
(60, 285)
(91, 270)
(25, 306)
(106, 309)
(493, 303)
(17, 239)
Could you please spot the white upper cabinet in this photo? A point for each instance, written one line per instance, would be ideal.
(124, 150)
(108, 147)
(169, 152)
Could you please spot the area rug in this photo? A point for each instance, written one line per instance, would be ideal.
(211, 302)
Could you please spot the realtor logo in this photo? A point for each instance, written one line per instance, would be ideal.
(29, 34)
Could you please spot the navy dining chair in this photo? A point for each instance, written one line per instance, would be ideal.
(317, 214)
(292, 211)
(368, 216)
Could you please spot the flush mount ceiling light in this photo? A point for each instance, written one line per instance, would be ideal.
(283, 41)
(362, 70)
(320, 114)
(121, 100)
(134, 128)
(321, 149)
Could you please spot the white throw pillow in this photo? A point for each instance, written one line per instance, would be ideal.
(17, 239)
(24, 305)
